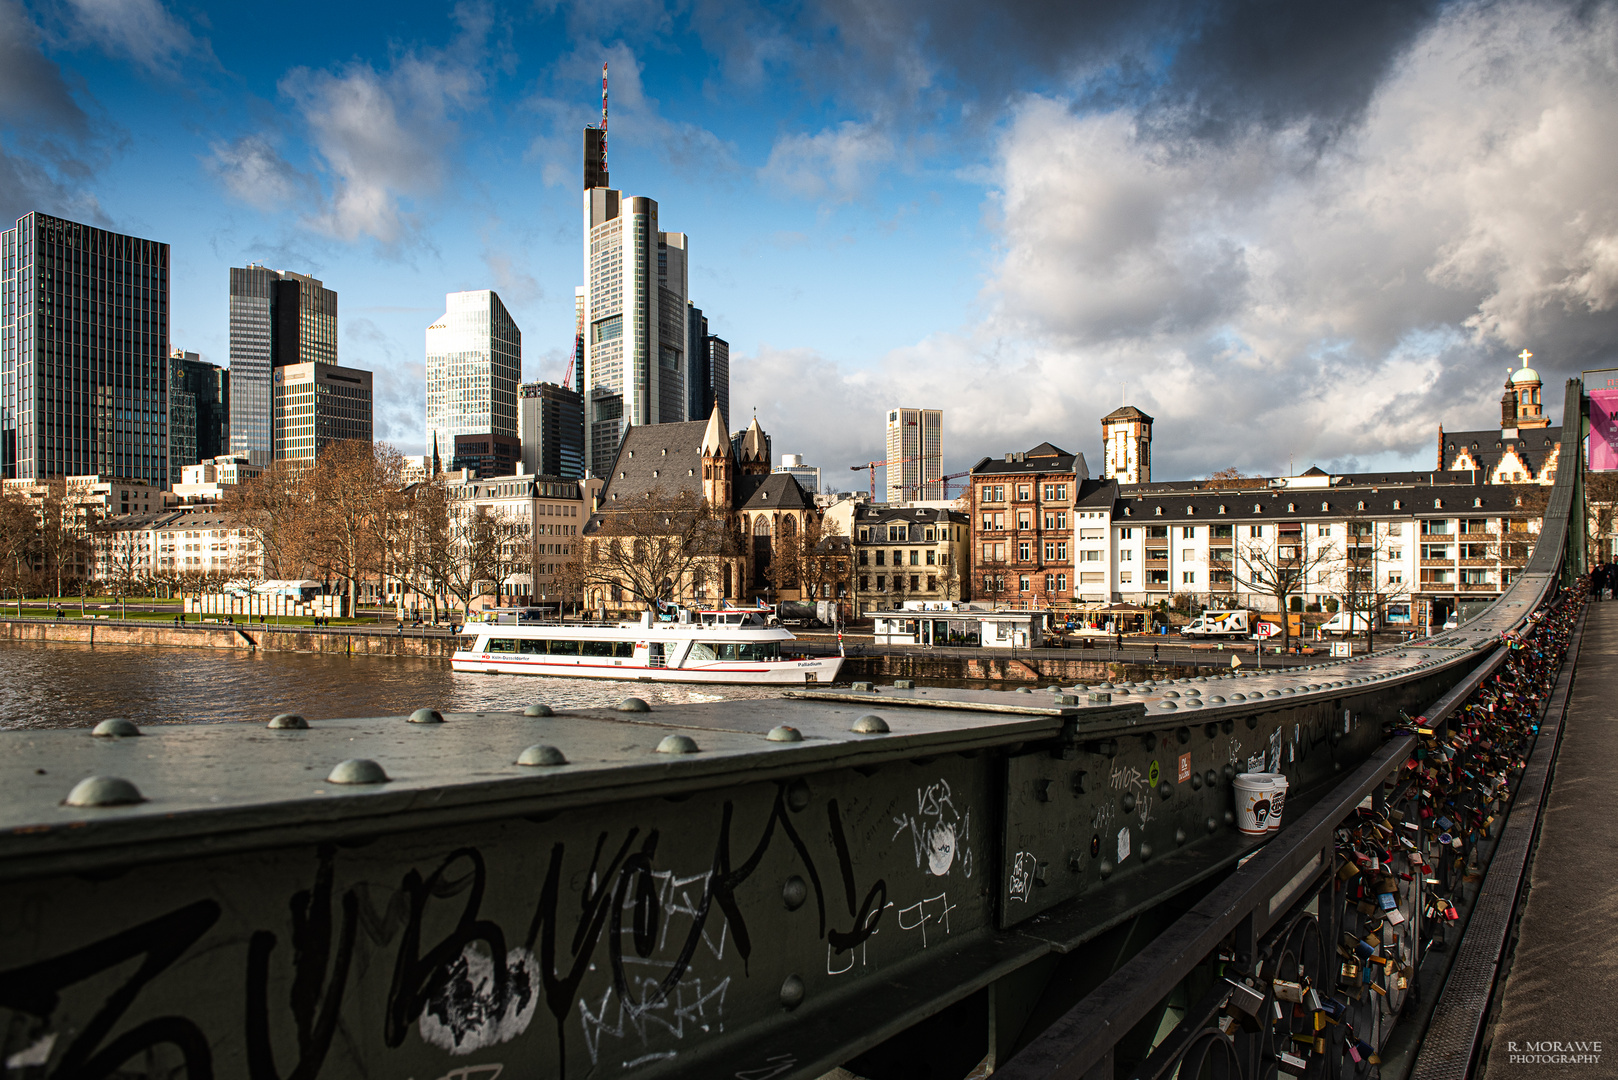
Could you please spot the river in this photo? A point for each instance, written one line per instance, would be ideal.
(69, 685)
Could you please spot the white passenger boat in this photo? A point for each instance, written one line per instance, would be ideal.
(728, 646)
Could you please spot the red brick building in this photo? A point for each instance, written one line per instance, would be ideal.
(1022, 527)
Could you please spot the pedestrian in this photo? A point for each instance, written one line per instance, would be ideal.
(1120, 640)
(1154, 652)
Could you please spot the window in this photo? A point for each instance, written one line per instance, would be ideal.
(1188, 577)
(1024, 551)
(1090, 555)
(865, 558)
(1255, 530)
(929, 536)
(1024, 520)
(1435, 551)
(1435, 528)
(1055, 521)
(932, 557)
(1396, 553)
(1396, 529)
(932, 583)
(915, 557)
(1050, 551)
(1126, 577)
(1061, 582)
(865, 583)
(1126, 555)
(1022, 583)
(1024, 492)
(1050, 582)
(881, 583)
(915, 582)
(1092, 534)
(1188, 532)
(1157, 532)
(1188, 554)
(999, 552)
(1395, 577)
(1000, 522)
(1222, 532)
(881, 557)
(865, 534)
(1061, 551)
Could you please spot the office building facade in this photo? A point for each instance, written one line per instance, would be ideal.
(199, 411)
(84, 344)
(915, 440)
(808, 476)
(551, 419)
(707, 369)
(277, 319)
(315, 405)
(474, 365)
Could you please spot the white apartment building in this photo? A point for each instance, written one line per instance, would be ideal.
(474, 363)
(165, 545)
(544, 514)
(208, 481)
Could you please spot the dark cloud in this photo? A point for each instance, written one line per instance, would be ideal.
(49, 145)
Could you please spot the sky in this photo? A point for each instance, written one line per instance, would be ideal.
(1293, 233)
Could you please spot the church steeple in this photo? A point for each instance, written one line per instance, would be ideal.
(717, 481)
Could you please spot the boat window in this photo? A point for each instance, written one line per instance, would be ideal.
(564, 648)
(501, 644)
(596, 648)
(535, 646)
(760, 650)
(701, 650)
(625, 649)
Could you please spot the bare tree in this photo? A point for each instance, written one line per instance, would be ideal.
(274, 508)
(1233, 478)
(473, 556)
(348, 489)
(1283, 571)
(126, 563)
(825, 558)
(19, 543)
(649, 544)
(63, 541)
(1365, 589)
(989, 579)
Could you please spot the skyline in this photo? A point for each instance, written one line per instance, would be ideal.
(1164, 195)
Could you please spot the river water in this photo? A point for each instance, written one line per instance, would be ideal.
(61, 685)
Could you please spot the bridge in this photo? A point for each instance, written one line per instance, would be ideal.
(897, 882)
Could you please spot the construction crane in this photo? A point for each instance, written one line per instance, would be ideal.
(944, 480)
(875, 465)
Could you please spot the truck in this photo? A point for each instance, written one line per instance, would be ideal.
(1216, 622)
(1345, 622)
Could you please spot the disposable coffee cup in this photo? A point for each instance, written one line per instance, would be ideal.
(1278, 800)
(1252, 793)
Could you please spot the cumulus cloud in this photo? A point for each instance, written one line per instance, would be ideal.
(139, 30)
(836, 164)
(1272, 293)
(254, 171)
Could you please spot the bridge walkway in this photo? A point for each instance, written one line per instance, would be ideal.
(1563, 982)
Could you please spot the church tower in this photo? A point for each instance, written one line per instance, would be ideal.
(1525, 387)
(755, 451)
(1126, 445)
(717, 482)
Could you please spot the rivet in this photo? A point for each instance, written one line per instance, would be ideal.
(1196, 781)
(1211, 778)
(288, 721)
(1145, 852)
(1183, 734)
(1171, 693)
(1211, 730)
(1105, 868)
(1229, 771)
(1167, 705)
(1024, 690)
(117, 726)
(784, 733)
(677, 744)
(539, 710)
(104, 791)
(798, 794)
(357, 771)
(870, 724)
(541, 754)
(1230, 817)
(1252, 721)
(426, 716)
(791, 992)
(1213, 825)
(633, 704)
(1179, 836)
(1164, 790)
(1128, 802)
(794, 892)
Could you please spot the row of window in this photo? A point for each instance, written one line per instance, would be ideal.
(933, 557)
(899, 581)
(995, 584)
(1023, 492)
(1055, 551)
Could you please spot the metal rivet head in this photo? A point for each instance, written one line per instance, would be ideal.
(1145, 852)
(633, 704)
(791, 992)
(104, 791)
(784, 733)
(870, 724)
(1167, 705)
(1210, 778)
(426, 716)
(541, 754)
(357, 771)
(1105, 868)
(1196, 781)
(1171, 693)
(1213, 825)
(1183, 734)
(539, 710)
(677, 744)
(1024, 690)
(1164, 790)
(1179, 836)
(288, 722)
(794, 892)
(1230, 817)
(116, 727)
(1128, 802)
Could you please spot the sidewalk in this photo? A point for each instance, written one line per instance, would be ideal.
(1563, 984)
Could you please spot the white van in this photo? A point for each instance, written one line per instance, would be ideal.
(1345, 622)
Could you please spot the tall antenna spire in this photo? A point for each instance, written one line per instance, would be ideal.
(603, 116)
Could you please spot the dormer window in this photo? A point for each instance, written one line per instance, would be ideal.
(1477, 503)
(1398, 504)
(1362, 504)
(1325, 506)
(1159, 511)
(1438, 504)
(1221, 508)
(1292, 508)
(1190, 510)
(1257, 508)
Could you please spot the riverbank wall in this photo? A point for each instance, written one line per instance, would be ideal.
(243, 638)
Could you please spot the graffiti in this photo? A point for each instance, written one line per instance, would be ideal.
(921, 914)
(474, 1072)
(1021, 883)
(774, 1065)
(691, 1007)
(938, 832)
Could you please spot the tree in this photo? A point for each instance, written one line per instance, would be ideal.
(19, 541)
(825, 558)
(63, 541)
(347, 490)
(1282, 571)
(1233, 478)
(649, 544)
(273, 508)
(949, 576)
(1364, 588)
(785, 570)
(989, 579)
(472, 557)
(126, 563)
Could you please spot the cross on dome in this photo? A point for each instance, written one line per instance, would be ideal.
(1525, 356)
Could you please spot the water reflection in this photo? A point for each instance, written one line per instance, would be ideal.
(68, 685)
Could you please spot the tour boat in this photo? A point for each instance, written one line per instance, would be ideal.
(726, 646)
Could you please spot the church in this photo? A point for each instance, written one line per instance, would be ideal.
(1525, 448)
(760, 514)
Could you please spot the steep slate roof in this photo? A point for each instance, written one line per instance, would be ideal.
(1096, 495)
(1043, 458)
(772, 491)
(881, 515)
(1127, 412)
(1138, 506)
(1534, 447)
(667, 457)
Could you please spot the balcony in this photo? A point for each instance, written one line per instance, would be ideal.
(1157, 586)
(1477, 586)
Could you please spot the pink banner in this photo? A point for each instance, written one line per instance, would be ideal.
(1603, 455)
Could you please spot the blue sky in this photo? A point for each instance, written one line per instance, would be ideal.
(1307, 235)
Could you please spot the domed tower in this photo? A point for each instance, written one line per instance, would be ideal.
(1526, 387)
(717, 480)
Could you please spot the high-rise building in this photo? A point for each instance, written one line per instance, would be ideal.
(707, 369)
(634, 326)
(915, 454)
(808, 476)
(315, 405)
(277, 319)
(552, 424)
(474, 363)
(84, 345)
(199, 411)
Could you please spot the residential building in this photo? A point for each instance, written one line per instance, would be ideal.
(199, 411)
(210, 481)
(904, 554)
(1022, 520)
(84, 344)
(168, 544)
(551, 426)
(1126, 446)
(474, 364)
(486, 456)
(915, 441)
(277, 319)
(543, 516)
(316, 405)
(808, 475)
(1525, 448)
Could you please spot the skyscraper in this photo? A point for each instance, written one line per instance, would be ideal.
(635, 335)
(707, 369)
(315, 405)
(84, 345)
(915, 454)
(199, 411)
(474, 363)
(277, 318)
(552, 423)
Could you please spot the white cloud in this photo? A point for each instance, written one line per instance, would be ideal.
(837, 164)
(139, 30)
(253, 170)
